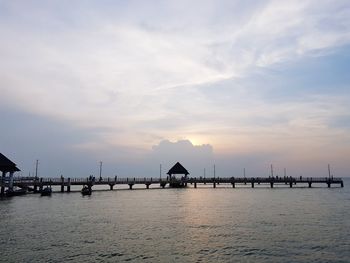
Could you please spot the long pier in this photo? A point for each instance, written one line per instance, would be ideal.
(36, 184)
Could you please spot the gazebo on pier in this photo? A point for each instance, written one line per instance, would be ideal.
(7, 166)
(178, 169)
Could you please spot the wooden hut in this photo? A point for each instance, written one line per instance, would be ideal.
(7, 166)
(175, 170)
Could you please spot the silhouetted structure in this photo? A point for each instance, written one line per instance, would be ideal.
(178, 169)
(7, 166)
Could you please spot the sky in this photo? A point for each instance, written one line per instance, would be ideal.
(136, 84)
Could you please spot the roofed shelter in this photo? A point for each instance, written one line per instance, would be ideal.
(177, 169)
(7, 166)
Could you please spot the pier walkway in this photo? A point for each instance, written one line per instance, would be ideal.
(36, 184)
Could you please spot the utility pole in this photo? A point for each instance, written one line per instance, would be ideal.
(244, 172)
(160, 171)
(285, 172)
(271, 171)
(36, 168)
(214, 170)
(329, 171)
(100, 169)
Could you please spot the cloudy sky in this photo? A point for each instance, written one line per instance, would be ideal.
(139, 83)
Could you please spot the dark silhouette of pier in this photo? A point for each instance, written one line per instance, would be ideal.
(35, 184)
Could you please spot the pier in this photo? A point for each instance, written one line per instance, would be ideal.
(37, 184)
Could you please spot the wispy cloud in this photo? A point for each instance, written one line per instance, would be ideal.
(218, 72)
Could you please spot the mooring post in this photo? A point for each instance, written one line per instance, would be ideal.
(329, 184)
(291, 184)
(111, 187)
(341, 184)
(252, 184)
(147, 186)
(233, 185)
(68, 186)
(130, 186)
(310, 184)
(214, 185)
(195, 184)
(41, 184)
(271, 184)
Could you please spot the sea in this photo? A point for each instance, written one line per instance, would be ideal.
(179, 225)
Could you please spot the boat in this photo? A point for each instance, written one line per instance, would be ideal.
(46, 191)
(86, 190)
(16, 192)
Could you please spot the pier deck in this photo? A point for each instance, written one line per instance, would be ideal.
(37, 184)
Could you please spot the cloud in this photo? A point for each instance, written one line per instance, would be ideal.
(228, 73)
(194, 157)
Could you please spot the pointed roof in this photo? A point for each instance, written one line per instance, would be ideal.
(6, 165)
(178, 169)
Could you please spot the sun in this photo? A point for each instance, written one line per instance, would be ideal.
(195, 141)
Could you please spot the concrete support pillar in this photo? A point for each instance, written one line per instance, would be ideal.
(11, 181)
(111, 187)
(310, 184)
(214, 185)
(271, 184)
(130, 186)
(147, 186)
(62, 184)
(195, 184)
(3, 183)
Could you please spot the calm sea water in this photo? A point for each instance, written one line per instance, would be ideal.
(179, 225)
